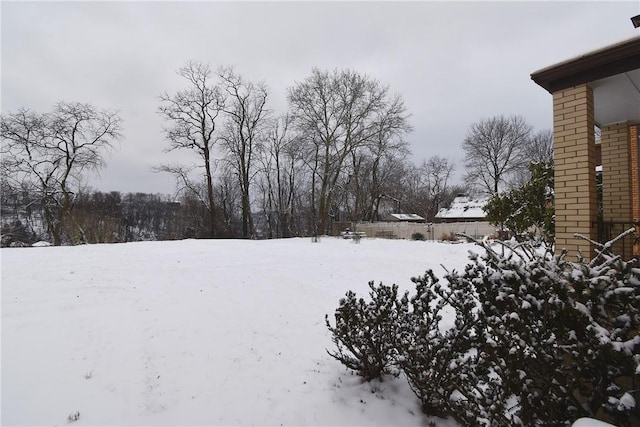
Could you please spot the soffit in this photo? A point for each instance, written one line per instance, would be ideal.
(617, 98)
(614, 74)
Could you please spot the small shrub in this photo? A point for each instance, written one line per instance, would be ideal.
(364, 331)
(417, 236)
(72, 418)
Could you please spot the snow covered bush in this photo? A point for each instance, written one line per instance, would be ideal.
(523, 330)
(435, 360)
(364, 331)
(561, 337)
(535, 339)
(480, 398)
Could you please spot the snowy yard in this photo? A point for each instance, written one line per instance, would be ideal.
(207, 332)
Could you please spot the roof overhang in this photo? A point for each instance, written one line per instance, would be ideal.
(613, 73)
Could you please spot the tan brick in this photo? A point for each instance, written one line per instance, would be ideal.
(574, 156)
(617, 170)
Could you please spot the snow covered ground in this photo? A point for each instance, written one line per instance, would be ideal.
(198, 332)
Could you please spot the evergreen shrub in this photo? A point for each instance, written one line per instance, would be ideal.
(536, 339)
(363, 331)
(434, 359)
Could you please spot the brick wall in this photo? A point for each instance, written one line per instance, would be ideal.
(635, 172)
(635, 179)
(574, 161)
(616, 182)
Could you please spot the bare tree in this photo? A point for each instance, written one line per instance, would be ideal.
(540, 147)
(494, 151)
(375, 174)
(193, 114)
(339, 112)
(281, 176)
(50, 152)
(437, 171)
(374, 166)
(20, 211)
(185, 184)
(230, 197)
(246, 112)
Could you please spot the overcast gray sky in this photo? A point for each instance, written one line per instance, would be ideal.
(453, 62)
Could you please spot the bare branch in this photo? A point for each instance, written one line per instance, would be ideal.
(193, 116)
(52, 150)
(494, 150)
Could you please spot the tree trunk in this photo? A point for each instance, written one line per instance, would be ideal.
(212, 217)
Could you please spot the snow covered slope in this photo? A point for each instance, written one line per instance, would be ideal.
(208, 332)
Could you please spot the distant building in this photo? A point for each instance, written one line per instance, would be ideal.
(465, 216)
(463, 209)
(404, 218)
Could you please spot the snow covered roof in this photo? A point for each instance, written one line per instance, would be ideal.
(464, 207)
(405, 217)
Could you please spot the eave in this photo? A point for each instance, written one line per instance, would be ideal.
(613, 72)
(598, 64)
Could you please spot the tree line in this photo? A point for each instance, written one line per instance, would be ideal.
(339, 154)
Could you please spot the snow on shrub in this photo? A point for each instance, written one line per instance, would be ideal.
(363, 331)
(435, 361)
(537, 340)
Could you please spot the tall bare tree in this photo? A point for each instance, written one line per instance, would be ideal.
(281, 174)
(338, 112)
(375, 174)
(49, 152)
(494, 151)
(246, 113)
(193, 116)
